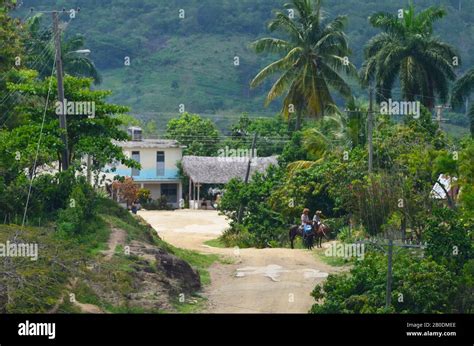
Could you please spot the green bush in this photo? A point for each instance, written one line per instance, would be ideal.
(448, 239)
(158, 204)
(465, 299)
(265, 227)
(237, 236)
(81, 210)
(144, 196)
(420, 285)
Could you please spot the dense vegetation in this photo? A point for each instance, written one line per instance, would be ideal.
(323, 149)
(325, 167)
(58, 209)
(182, 61)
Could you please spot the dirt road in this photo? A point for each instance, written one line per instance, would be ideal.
(258, 280)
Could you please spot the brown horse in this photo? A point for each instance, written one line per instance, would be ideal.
(321, 231)
(318, 233)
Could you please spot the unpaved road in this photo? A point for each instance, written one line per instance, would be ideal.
(258, 281)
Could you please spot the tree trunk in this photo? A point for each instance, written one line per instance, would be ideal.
(298, 121)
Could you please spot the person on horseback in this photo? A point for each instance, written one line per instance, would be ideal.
(317, 219)
(306, 224)
(305, 218)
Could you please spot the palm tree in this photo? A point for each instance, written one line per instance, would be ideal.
(407, 49)
(313, 55)
(327, 136)
(461, 91)
(41, 49)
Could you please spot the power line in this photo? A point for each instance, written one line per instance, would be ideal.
(38, 145)
(40, 57)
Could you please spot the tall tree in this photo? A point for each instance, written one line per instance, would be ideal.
(461, 91)
(407, 49)
(9, 37)
(199, 135)
(313, 56)
(92, 123)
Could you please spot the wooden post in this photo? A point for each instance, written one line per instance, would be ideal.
(247, 175)
(59, 74)
(194, 195)
(198, 197)
(189, 192)
(388, 296)
(370, 120)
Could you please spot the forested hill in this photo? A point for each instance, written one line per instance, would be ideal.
(190, 61)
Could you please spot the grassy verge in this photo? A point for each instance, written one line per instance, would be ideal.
(331, 260)
(63, 257)
(194, 304)
(215, 243)
(138, 229)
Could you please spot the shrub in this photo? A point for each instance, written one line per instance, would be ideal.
(448, 239)
(144, 196)
(158, 204)
(237, 236)
(265, 226)
(418, 286)
(80, 211)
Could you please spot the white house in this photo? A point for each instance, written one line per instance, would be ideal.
(158, 159)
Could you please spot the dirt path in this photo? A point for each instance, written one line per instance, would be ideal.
(258, 281)
(117, 237)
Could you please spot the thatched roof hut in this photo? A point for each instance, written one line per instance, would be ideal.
(220, 170)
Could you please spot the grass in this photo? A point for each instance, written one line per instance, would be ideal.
(215, 243)
(115, 275)
(331, 260)
(194, 304)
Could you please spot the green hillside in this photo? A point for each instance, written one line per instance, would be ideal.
(190, 61)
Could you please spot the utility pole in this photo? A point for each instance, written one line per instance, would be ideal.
(370, 120)
(254, 142)
(59, 75)
(388, 293)
(89, 169)
(247, 174)
(439, 115)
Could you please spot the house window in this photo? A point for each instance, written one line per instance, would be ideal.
(170, 191)
(135, 157)
(160, 163)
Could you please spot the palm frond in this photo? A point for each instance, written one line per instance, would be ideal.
(387, 22)
(463, 87)
(271, 45)
(269, 70)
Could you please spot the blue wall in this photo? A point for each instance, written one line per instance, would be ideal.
(150, 174)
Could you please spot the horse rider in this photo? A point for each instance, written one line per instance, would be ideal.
(317, 219)
(305, 218)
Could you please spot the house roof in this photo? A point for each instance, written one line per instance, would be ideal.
(149, 144)
(220, 170)
(437, 192)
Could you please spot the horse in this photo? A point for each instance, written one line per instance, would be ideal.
(319, 233)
